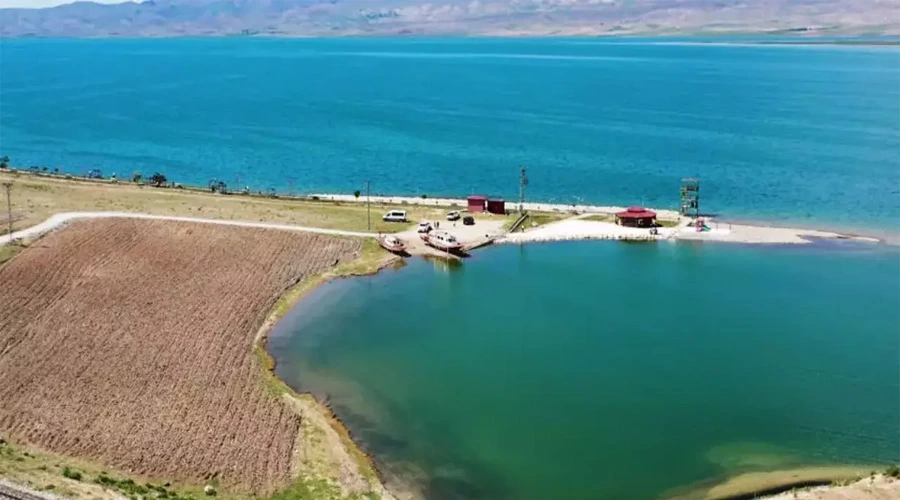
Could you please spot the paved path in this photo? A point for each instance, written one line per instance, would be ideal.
(62, 219)
(9, 492)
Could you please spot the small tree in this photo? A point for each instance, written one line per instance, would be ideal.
(136, 177)
(356, 194)
(4, 162)
(158, 179)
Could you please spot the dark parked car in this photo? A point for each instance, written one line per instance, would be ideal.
(469, 220)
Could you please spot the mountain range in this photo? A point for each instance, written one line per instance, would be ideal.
(453, 17)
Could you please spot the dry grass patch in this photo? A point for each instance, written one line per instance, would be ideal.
(36, 198)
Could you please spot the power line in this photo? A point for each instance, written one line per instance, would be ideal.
(8, 186)
(523, 181)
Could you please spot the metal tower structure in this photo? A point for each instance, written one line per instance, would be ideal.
(690, 196)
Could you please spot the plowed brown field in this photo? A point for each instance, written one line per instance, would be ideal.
(130, 343)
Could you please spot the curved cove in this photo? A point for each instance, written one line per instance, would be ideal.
(607, 370)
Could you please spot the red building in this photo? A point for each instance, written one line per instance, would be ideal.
(496, 206)
(636, 217)
(475, 203)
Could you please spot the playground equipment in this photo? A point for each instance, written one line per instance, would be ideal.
(701, 226)
(217, 186)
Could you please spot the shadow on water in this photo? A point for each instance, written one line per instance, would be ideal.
(443, 263)
(440, 475)
(823, 245)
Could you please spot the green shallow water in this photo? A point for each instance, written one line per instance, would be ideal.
(602, 370)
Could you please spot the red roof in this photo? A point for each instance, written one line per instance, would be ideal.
(636, 213)
(476, 198)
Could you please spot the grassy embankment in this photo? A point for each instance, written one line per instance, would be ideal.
(70, 477)
(327, 447)
(540, 218)
(9, 251)
(35, 198)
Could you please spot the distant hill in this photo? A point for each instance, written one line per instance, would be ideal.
(453, 17)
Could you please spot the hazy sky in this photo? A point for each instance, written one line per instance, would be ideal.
(44, 3)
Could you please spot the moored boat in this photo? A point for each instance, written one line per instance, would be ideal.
(391, 243)
(443, 241)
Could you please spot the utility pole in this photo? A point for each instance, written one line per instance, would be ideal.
(8, 186)
(523, 181)
(368, 208)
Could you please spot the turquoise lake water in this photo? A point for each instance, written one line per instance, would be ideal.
(603, 370)
(809, 135)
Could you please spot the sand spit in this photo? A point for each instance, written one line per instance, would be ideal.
(834, 482)
(580, 229)
(739, 233)
(579, 225)
(877, 487)
(461, 203)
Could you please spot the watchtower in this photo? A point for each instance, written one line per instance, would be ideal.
(690, 196)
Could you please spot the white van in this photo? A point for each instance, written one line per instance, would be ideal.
(395, 216)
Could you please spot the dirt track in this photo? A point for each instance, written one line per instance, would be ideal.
(130, 342)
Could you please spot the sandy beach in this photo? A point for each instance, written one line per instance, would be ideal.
(877, 487)
(581, 229)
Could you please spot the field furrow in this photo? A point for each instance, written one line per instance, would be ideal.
(130, 342)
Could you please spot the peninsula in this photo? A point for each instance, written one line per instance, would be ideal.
(124, 247)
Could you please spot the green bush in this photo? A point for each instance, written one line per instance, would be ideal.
(71, 474)
(104, 480)
(893, 471)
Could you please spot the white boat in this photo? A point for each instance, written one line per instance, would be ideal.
(442, 240)
(391, 243)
